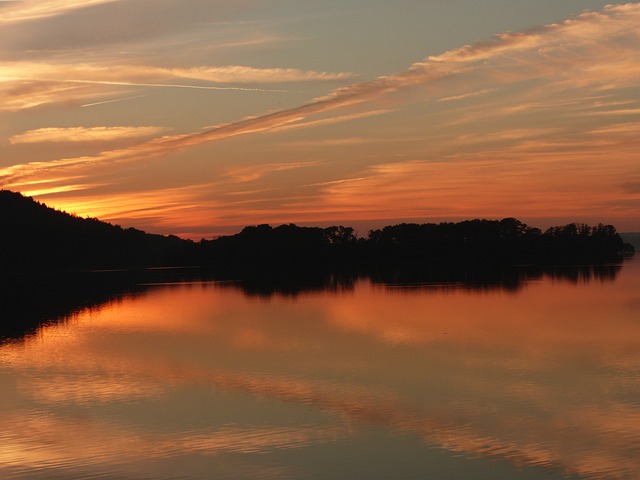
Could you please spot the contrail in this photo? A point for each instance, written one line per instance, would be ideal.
(111, 101)
(155, 85)
(167, 85)
(552, 50)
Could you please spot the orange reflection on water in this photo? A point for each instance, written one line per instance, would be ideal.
(90, 444)
(548, 315)
(548, 376)
(545, 376)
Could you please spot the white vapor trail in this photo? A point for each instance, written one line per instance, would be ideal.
(111, 101)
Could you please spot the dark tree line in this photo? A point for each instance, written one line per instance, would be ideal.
(506, 241)
(286, 247)
(34, 236)
(410, 245)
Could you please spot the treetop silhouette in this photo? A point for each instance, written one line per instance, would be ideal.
(34, 236)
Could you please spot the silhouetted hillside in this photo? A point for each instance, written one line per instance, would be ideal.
(35, 236)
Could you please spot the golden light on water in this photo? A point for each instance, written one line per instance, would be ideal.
(533, 376)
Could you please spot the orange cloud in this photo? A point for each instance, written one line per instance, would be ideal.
(528, 174)
(83, 134)
(558, 51)
(244, 74)
(251, 173)
(27, 10)
(328, 121)
(32, 77)
(22, 94)
(508, 119)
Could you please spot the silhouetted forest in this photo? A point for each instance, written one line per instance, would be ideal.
(36, 237)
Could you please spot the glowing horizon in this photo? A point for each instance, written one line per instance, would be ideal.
(228, 116)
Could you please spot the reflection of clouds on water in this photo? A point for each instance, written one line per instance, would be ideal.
(537, 378)
(82, 389)
(84, 444)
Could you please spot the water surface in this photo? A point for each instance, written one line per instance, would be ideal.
(440, 380)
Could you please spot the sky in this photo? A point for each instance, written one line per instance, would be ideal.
(199, 117)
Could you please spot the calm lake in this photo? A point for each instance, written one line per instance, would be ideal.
(537, 379)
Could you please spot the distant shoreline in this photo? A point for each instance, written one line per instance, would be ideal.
(632, 238)
(36, 237)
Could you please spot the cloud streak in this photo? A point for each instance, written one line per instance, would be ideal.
(30, 84)
(558, 51)
(115, 100)
(29, 10)
(83, 134)
(143, 74)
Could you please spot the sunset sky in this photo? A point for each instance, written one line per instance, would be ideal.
(198, 117)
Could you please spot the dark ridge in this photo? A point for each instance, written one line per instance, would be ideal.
(36, 237)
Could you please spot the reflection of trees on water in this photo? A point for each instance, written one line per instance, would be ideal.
(266, 285)
(285, 260)
(585, 273)
(30, 300)
(36, 299)
(511, 279)
(500, 278)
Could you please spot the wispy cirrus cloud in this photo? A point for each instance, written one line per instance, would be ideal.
(579, 44)
(595, 42)
(528, 174)
(245, 74)
(20, 95)
(631, 129)
(248, 174)
(466, 95)
(330, 120)
(108, 72)
(83, 134)
(26, 10)
(112, 100)
(30, 84)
